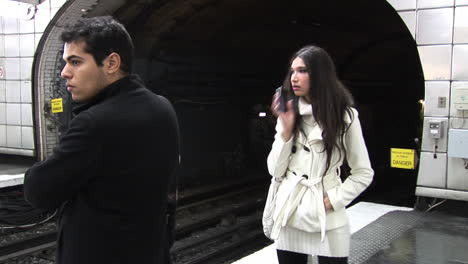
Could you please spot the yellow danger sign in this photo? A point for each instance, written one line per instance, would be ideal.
(56, 105)
(402, 158)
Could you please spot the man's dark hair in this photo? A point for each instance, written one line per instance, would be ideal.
(102, 35)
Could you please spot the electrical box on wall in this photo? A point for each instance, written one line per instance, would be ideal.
(435, 129)
(460, 98)
(435, 134)
(458, 143)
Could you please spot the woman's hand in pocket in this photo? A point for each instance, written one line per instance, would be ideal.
(327, 203)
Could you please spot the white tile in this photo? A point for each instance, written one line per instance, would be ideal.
(26, 26)
(409, 17)
(12, 68)
(460, 63)
(53, 11)
(42, 19)
(11, 45)
(44, 5)
(1, 24)
(2, 114)
(26, 45)
(461, 2)
(13, 114)
(454, 112)
(436, 61)
(434, 26)
(2, 135)
(13, 136)
(27, 137)
(56, 3)
(10, 25)
(460, 31)
(402, 4)
(432, 171)
(2, 45)
(13, 91)
(435, 91)
(2, 91)
(435, 3)
(26, 67)
(37, 38)
(26, 115)
(26, 92)
(2, 68)
(456, 175)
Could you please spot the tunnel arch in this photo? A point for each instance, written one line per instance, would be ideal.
(219, 62)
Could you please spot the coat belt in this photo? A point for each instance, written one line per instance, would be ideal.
(288, 208)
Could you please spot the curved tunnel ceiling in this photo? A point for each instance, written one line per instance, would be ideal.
(368, 40)
(238, 51)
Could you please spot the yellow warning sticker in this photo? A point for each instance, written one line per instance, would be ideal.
(57, 105)
(402, 158)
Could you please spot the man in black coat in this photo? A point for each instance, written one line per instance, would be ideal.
(111, 171)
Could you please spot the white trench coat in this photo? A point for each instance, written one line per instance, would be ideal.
(299, 215)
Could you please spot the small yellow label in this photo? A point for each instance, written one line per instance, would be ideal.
(402, 158)
(57, 105)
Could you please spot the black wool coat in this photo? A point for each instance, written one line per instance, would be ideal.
(109, 176)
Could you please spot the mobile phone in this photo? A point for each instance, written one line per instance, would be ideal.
(282, 99)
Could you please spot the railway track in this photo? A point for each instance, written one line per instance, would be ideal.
(27, 246)
(211, 221)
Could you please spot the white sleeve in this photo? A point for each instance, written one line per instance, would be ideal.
(358, 160)
(278, 158)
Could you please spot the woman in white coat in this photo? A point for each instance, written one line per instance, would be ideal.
(316, 131)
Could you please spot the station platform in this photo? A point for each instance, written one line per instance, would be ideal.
(381, 234)
(12, 170)
(384, 234)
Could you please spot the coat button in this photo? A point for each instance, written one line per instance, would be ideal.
(305, 176)
(293, 149)
(306, 149)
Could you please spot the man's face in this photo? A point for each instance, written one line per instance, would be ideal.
(85, 79)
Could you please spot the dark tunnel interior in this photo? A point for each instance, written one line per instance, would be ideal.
(219, 62)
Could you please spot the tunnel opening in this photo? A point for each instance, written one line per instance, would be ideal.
(219, 63)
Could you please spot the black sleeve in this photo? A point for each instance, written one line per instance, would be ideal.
(49, 183)
(173, 138)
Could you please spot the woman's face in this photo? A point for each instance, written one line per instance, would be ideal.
(300, 81)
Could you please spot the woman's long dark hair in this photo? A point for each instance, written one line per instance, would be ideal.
(330, 99)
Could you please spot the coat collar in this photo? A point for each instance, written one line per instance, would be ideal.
(305, 109)
(310, 126)
(129, 82)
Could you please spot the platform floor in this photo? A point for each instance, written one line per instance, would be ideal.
(381, 234)
(12, 169)
(438, 238)
(360, 215)
(385, 234)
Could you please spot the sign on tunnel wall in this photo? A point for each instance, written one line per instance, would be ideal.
(402, 158)
(56, 105)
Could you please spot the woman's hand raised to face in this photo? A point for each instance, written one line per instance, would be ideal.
(287, 118)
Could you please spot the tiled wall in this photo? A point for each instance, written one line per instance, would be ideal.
(440, 28)
(19, 37)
